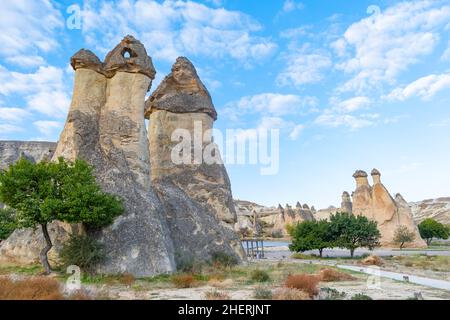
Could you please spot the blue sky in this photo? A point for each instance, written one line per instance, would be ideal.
(350, 84)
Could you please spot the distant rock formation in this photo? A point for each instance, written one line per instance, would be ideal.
(270, 220)
(438, 209)
(375, 203)
(36, 151)
(164, 221)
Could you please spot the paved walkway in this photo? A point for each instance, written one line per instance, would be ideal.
(434, 283)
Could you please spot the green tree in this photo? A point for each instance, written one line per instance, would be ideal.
(311, 235)
(352, 232)
(430, 228)
(403, 235)
(47, 191)
(7, 222)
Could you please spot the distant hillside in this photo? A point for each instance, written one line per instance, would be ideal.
(438, 209)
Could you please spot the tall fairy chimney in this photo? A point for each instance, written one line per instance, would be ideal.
(376, 175)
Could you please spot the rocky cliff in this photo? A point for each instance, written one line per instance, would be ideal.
(164, 221)
(438, 209)
(11, 151)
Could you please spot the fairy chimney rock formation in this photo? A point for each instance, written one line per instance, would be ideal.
(346, 203)
(164, 223)
(181, 115)
(376, 203)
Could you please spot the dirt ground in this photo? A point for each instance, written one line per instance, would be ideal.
(238, 283)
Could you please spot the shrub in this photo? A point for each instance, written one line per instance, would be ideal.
(277, 234)
(302, 256)
(260, 276)
(262, 294)
(360, 296)
(82, 251)
(222, 259)
(372, 261)
(290, 294)
(304, 282)
(403, 235)
(216, 295)
(36, 288)
(331, 294)
(329, 275)
(184, 281)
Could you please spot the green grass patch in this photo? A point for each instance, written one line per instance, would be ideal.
(25, 270)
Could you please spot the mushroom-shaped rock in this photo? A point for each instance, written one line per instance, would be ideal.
(306, 207)
(181, 91)
(86, 59)
(360, 174)
(375, 172)
(376, 176)
(129, 56)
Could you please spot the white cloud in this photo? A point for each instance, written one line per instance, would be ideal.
(291, 5)
(304, 68)
(28, 27)
(44, 91)
(172, 28)
(424, 88)
(345, 120)
(296, 131)
(441, 123)
(382, 46)
(9, 128)
(48, 129)
(352, 104)
(13, 114)
(275, 104)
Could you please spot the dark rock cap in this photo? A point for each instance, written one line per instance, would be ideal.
(375, 172)
(298, 205)
(137, 62)
(86, 59)
(305, 206)
(280, 207)
(360, 174)
(181, 91)
(345, 194)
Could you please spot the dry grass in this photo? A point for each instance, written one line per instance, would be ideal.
(304, 282)
(217, 295)
(290, 294)
(36, 288)
(372, 261)
(220, 283)
(126, 279)
(330, 275)
(184, 281)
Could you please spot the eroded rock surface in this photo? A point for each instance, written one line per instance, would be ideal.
(163, 222)
(376, 203)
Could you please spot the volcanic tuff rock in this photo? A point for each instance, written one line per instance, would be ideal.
(438, 209)
(181, 102)
(11, 151)
(162, 222)
(271, 220)
(375, 203)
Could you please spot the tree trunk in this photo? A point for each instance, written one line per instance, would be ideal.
(401, 245)
(320, 252)
(43, 255)
(429, 241)
(352, 252)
